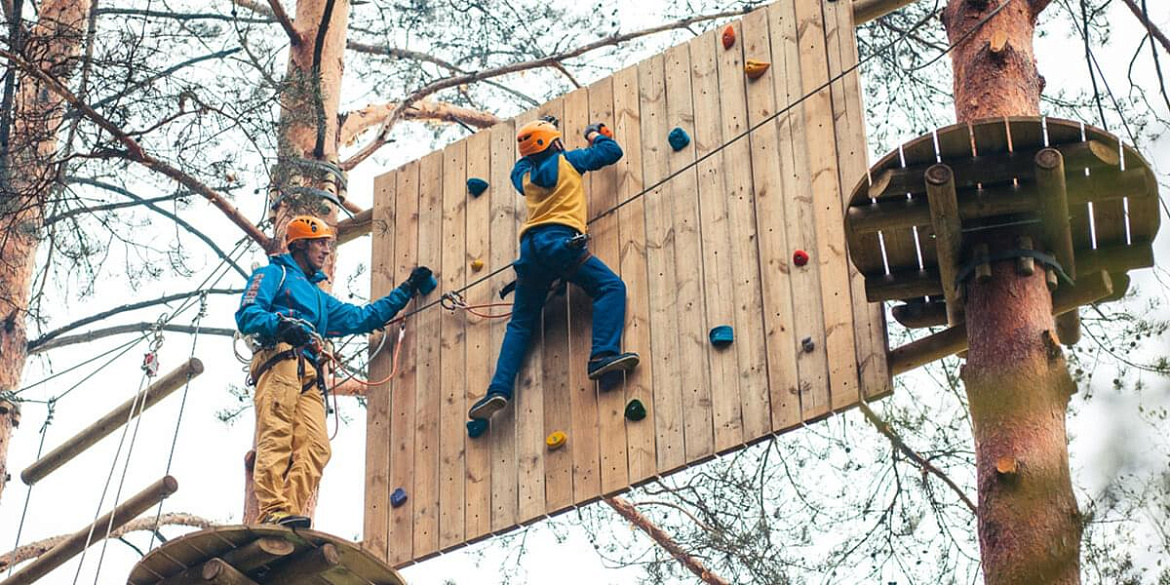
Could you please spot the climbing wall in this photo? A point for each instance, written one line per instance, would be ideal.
(712, 246)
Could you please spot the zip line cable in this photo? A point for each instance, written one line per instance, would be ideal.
(28, 493)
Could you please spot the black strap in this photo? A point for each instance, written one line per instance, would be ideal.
(1046, 259)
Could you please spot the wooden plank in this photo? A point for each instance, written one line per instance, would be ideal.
(453, 349)
(754, 391)
(606, 246)
(772, 238)
(585, 447)
(401, 547)
(718, 279)
(694, 380)
(668, 420)
(799, 217)
(480, 349)
(901, 253)
(503, 224)
(428, 385)
(869, 321)
(641, 450)
(529, 405)
(376, 519)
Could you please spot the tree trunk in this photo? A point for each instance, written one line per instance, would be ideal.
(309, 130)
(1018, 384)
(54, 45)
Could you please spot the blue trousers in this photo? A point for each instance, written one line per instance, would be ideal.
(545, 255)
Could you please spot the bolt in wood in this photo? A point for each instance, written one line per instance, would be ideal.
(1025, 265)
(983, 270)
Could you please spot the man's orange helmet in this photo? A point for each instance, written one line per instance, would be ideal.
(307, 227)
(537, 136)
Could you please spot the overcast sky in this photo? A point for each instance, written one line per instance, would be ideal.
(208, 461)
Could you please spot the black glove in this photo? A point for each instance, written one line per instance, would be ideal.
(292, 333)
(417, 280)
(599, 128)
(551, 120)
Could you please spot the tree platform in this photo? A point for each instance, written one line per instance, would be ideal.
(243, 555)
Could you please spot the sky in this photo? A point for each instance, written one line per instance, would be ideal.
(208, 456)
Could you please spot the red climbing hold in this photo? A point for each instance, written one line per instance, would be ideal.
(800, 257)
(729, 37)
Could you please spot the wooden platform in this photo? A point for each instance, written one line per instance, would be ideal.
(242, 555)
(1111, 194)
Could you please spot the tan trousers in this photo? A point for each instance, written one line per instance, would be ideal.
(292, 445)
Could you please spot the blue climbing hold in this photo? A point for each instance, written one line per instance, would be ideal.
(428, 286)
(678, 139)
(476, 186)
(722, 336)
(476, 427)
(398, 497)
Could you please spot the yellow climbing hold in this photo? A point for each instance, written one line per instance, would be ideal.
(477, 265)
(755, 69)
(556, 440)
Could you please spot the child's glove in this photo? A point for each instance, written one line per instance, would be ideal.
(417, 280)
(597, 128)
(293, 333)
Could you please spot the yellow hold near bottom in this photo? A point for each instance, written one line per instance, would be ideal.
(556, 440)
(477, 265)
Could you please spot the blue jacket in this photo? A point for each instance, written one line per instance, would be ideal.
(543, 165)
(298, 296)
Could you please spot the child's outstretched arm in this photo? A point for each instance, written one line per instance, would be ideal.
(603, 152)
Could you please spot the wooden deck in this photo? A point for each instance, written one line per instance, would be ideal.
(711, 246)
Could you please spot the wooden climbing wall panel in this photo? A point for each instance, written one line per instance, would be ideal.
(705, 237)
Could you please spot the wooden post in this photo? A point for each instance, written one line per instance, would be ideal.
(220, 573)
(245, 559)
(112, 421)
(1089, 289)
(61, 553)
(1057, 234)
(948, 232)
(305, 568)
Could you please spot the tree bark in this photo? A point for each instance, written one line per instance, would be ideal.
(53, 44)
(1017, 381)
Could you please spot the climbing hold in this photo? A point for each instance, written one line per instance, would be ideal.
(678, 139)
(429, 285)
(476, 427)
(476, 265)
(729, 37)
(807, 345)
(398, 497)
(556, 440)
(476, 186)
(755, 69)
(800, 257)
(635, 411)
(722, 336)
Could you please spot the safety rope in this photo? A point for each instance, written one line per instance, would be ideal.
(51, 410)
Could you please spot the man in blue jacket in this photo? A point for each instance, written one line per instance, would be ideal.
(552, 245)
(288, 314)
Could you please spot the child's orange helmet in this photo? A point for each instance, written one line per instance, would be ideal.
(536, 136)
(307, 227)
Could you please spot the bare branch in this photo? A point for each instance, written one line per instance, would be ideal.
(32, 345)
(294, 36)
(561, 67)
(359, 121)
(921, 461)
(180, 16)
(136, 153)
(124, 329)
(1151, 27)
(550, 61)
(256, 7)
(33, 550)
(108, 207)
(627, 511)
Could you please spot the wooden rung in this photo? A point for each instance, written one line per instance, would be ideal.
(220, 573)
(919, 315)
(305, 567)
(1089, 289)
(1102, 185)
(76, 542)
(245, 559)
(114, 419)
(992, 170)
(1050, 183)
(908, 285)
(948, 232)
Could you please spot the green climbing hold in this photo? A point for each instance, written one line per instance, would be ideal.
(635, 410)
(678, 139)
(476, 427)
(476, 186)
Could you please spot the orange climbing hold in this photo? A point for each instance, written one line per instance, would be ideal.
(755, 69)
(476, 265)
(556, 440)
(729, 37)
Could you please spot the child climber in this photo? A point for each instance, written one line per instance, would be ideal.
(288, 314)
(551, 247)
